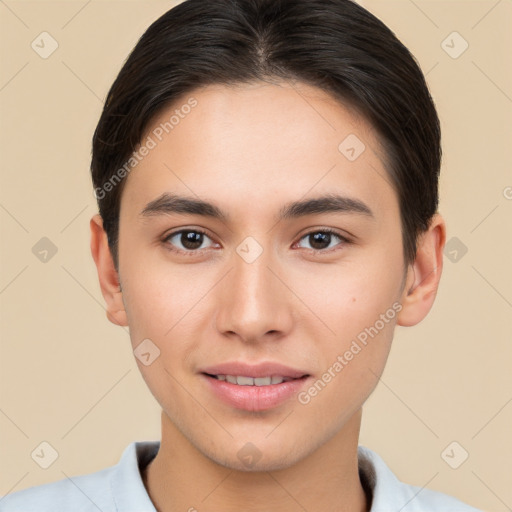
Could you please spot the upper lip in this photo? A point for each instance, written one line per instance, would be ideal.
(264, 369)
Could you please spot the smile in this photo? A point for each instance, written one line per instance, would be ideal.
(241, 380)
(254, 393)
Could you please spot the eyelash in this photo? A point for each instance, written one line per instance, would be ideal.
(195, 252)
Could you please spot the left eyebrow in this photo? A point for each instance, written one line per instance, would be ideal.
(167, 204)
(330, 203)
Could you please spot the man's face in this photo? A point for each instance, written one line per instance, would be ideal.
(257, 288)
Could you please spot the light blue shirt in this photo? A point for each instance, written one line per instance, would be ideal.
(120, 488)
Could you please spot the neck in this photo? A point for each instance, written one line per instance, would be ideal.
(181, 477)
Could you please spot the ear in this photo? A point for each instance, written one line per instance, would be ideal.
(107, 274)
(423, 274)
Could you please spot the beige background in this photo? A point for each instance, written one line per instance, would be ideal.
(68, 376)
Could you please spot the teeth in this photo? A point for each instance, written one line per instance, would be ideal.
(263, 381)
(245, 381)
(250, 381)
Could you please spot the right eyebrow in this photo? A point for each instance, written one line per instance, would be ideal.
(167, 204)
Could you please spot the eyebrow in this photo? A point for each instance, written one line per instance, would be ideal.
(168, 204)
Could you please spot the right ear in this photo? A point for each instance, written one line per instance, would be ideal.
(107, 273)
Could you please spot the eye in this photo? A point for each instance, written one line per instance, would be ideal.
(190, 241)
(321, 239)
(186, 240)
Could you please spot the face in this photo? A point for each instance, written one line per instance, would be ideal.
(262, 289)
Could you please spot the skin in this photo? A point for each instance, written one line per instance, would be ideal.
(251, 149)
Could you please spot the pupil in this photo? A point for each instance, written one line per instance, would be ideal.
(321, 238)
(191, 239)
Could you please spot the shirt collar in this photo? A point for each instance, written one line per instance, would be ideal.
(127, 486)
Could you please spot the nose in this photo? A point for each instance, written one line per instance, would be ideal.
(254, 302)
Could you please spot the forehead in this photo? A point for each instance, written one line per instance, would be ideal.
(258, 143)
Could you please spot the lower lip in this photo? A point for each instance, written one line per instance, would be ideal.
(255, 398)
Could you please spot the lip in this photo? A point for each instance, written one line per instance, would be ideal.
(254, 398)
(265, 369)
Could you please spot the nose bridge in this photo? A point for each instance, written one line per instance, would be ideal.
(254, 300)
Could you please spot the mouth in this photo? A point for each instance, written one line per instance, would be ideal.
(254, 394)
(242, 380)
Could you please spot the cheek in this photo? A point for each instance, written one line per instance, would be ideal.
(352, 361)
(347, 297)
(160, 298)
(161, 314)
(165, 305)
(356, 304)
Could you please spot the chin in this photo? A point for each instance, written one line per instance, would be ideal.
(264, 464)
(258, 455)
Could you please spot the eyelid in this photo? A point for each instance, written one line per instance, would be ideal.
(345, 240)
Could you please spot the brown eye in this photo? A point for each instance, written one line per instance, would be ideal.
(186, 240)
(321, 240)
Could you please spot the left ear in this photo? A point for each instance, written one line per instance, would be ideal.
(423, 274)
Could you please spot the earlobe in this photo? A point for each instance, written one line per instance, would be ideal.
(107, 273)
(423, 274)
